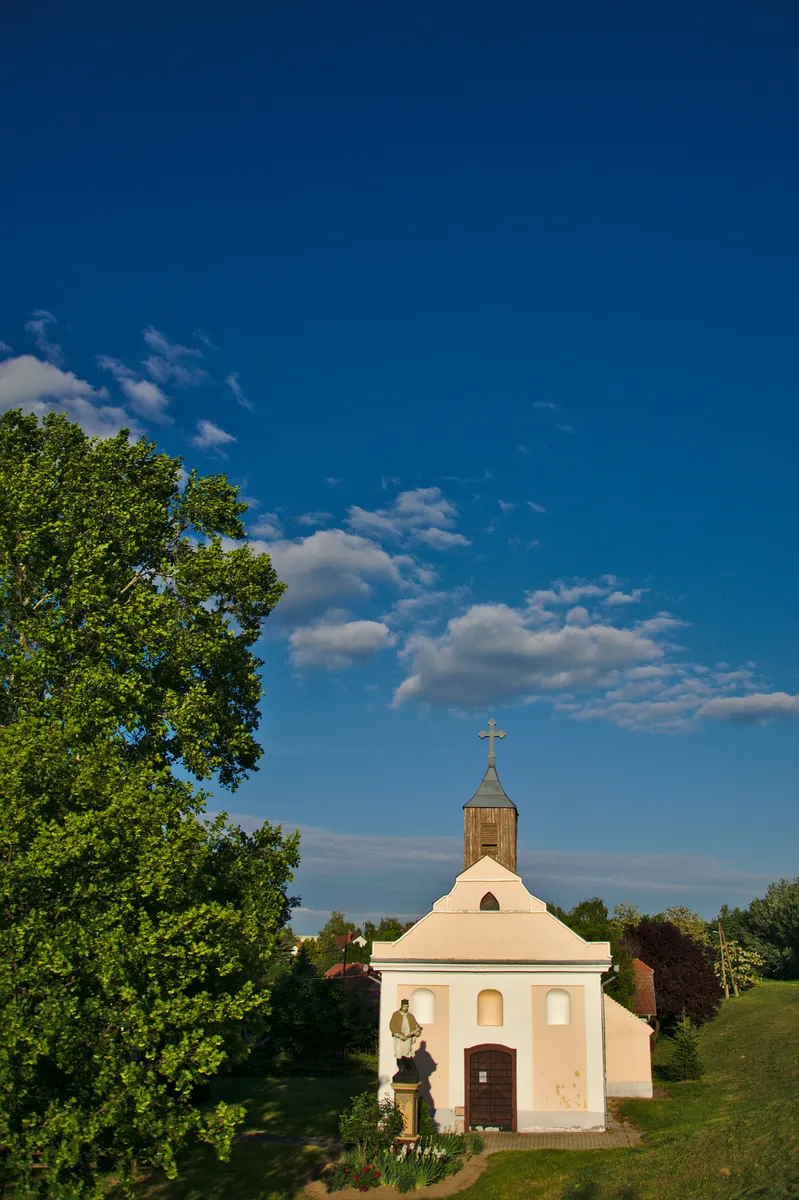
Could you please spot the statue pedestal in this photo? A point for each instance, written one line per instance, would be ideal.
(406, 1096)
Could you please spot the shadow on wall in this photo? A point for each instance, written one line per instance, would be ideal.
(425, 1065)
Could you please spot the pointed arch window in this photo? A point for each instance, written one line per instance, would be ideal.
(489, 1007)
(489, 903)
(559, 1007)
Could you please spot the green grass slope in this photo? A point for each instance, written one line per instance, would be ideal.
(735, 1130)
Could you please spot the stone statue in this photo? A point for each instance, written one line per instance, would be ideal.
(405, 1029)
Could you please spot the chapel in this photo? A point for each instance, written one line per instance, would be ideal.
(517, 1031)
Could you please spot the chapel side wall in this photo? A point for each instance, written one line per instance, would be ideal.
(628, 1052)
(505, 820)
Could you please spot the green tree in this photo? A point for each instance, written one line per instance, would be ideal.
(688, 922)
(325, 951)
(135, 932)
(771, 929)
(685, 1062)
(388, 930)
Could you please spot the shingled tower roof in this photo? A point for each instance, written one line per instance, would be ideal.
(490, 793)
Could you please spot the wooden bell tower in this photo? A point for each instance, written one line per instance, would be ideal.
(490, 817)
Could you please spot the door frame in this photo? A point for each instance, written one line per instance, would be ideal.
(467, 1053)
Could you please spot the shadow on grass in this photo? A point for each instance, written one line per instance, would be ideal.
(589, 1190)
(256, 1171)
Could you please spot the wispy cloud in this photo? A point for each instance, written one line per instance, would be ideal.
(233, 383)
(545, 404)
(168, 363)
(38, 326)
(314, 518)
(539, 508)
(5, 348)
(566, 429)
(145, 397)
(345, 870)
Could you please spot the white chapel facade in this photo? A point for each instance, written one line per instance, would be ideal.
(517, 1032)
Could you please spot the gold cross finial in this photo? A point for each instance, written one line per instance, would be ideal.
(492, 733)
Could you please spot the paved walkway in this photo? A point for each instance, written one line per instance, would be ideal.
(616, 1135)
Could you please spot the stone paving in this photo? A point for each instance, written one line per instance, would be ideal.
(616, 1135)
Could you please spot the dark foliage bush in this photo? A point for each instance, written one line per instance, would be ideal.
(685, 979)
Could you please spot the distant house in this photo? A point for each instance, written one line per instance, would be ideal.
(359, 978)
(644, 1002)
(299, 938)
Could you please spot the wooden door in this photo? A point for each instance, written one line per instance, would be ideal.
(490, 1076)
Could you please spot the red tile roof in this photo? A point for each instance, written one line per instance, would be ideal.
(644, 1001)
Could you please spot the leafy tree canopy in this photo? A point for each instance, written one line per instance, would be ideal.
(769, 928)
(135, 932)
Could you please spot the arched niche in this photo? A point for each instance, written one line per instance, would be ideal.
(489, 1007)
(558, 1007)
(423, 1006)
(489, 903)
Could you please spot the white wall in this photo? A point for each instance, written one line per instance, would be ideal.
(516, 1031)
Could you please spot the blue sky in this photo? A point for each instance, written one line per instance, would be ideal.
(492, 311)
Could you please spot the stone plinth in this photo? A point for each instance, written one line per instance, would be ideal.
(406, 1096)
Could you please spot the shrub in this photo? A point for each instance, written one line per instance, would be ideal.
(685, 1060)
(685, 979)
(369, 1126)
(427, 1122)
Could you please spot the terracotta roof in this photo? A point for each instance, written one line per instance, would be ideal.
(644, 1001)
(357, 971)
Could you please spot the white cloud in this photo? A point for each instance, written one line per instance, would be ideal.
(266, 526)
(211, 437)
(563, 593)
(39, 387)
(314, 518)
(233, 383)
(167, 363)
(338, 644)
(633, 597)
(522, 448)
(328, 566)
(420, 514)
(506, 505)
(490, 655)
(545, 404)
(758, 707)
(539, 508)
(331, 479)
(566, 428)
(5, 348)
(145, 398)
(440, 539)
(38, 325)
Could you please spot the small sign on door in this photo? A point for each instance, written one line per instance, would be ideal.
(482, 1076)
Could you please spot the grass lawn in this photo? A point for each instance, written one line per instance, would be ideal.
(737, 1128)
(287, 1107)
